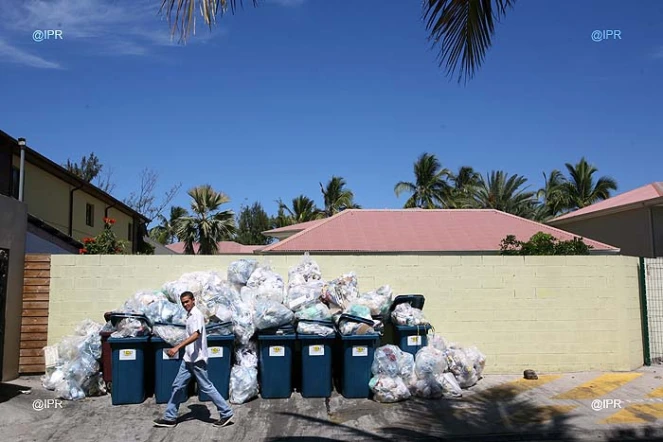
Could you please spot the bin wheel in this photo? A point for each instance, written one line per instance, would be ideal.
(109, 386)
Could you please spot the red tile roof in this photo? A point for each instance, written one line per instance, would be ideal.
(295, 227)
(417, 230)
(226, 247)
(626, 200)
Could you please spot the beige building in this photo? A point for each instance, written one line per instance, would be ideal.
(632, 221)
(61, 206)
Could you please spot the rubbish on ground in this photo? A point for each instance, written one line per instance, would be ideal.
(530, 375)
(392, 372)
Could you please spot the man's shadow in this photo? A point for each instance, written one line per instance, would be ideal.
(198, 412)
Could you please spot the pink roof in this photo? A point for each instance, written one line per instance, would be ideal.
(227, 247)
(417, 230)
(640, 195)
(295, 227)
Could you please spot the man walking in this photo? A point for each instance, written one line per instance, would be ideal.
(194, 363)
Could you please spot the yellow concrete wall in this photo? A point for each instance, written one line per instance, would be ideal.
(47, 198)
(549, 314)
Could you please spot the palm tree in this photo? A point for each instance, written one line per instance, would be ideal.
(166, 232)
(336, 197)
(465, 184)
(208, 225)
(581, 190)
(430, 189)
(503, 192)
(303, 210)
(462, 29)
(552, 195)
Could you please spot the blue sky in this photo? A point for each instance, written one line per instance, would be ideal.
(276, 99)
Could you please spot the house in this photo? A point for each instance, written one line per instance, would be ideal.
(63, 209)
(225, 248)
(632, 221)
(444, 231)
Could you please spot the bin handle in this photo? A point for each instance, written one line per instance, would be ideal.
(354, 318)
(317, 321)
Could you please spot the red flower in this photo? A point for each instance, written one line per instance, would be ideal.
(110, 221)
(88, 240)
(82, 251)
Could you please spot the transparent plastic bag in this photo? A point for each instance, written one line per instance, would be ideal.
(387, 389)
(303, 295)
(247, 355)
(461, 367)
(268, 285)
(378, 301)
(438, 342)
(243, 322)
(449, 385)
(430, 361)
(477, 359)
(87, 327)
(171, 334)
(240, 271)
(270, 314)
(317, 311)
(341, 291)
(165, 312)
(222, 313)
(140, 301)
(307, 269)
(392, 361)
(309, 328)
(243, 384)
(130, 328)
(405, 314)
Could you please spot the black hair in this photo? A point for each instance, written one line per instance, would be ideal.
(186, 294)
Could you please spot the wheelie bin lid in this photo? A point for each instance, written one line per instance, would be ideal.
(416, 301)
(359, 319)
(116, 317)
(136, 340)
(216, 326)
(286, 331)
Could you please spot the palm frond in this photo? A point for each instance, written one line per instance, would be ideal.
(463, 30)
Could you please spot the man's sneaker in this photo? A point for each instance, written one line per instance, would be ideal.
(223, 422)
(164, 423)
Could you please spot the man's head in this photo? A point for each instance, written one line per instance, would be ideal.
(188, 301)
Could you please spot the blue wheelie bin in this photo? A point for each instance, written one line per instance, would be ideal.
(316, 360)
(409, 338)
(128, 368)
(165, 369)
(357, 352)
(219, 354)
(276, 348)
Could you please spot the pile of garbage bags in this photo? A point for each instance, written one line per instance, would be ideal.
(439, 370)
(72, 367)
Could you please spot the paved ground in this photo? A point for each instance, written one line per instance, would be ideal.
(556, 407)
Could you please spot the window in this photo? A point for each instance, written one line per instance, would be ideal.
(130, 235)
(89, 214)
(15, 182)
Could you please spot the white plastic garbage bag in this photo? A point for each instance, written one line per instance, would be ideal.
(240, 271)
(341, 291)
(405, 314)
(378, 301)
(268, 284)
(243, 384)
(270, 314)
(388, 389)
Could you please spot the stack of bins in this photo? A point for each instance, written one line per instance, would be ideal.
(165, 368)
(410, 338)
(127, 373)
(357, 352)
(275, 349)
(316, 361)
(219, 354)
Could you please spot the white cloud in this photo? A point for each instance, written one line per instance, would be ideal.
(104, 27)
(12, 54)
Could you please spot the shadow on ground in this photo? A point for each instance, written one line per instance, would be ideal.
(9, 391)
(496, 414)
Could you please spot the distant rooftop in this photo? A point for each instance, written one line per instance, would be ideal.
(225, 247)
(650, 194)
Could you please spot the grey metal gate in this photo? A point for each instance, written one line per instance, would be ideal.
(4, 281)
(652, 281)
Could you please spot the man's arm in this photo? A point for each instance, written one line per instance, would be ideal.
(173, 351)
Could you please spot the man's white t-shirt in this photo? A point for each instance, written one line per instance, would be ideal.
(197, 350)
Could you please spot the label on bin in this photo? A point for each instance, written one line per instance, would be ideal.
(414, 341)
(166, 357)
(359, 351)
(316, 350)
(128, 355)
(215, 352)
(276, 350)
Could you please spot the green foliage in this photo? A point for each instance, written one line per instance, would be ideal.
(543, 244)
(87, 169)
(105, 243)
(251, 222)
